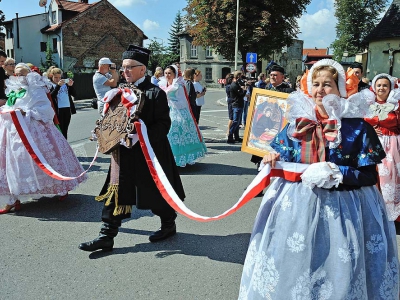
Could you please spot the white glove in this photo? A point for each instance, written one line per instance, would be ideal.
(323, 174)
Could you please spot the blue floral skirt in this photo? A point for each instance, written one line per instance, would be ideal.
(321, 244)
(183, 138)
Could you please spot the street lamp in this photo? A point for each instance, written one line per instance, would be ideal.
(237, 34)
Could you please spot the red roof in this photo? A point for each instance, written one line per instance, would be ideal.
(73, 6)
(314, 52)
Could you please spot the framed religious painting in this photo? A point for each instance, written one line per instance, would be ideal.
(265, 119)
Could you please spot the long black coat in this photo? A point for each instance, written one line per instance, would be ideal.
(136, 186)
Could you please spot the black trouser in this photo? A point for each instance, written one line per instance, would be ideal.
(111, 223)
(197, 114)
(64, 117)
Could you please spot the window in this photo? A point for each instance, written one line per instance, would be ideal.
(209, 51)
(53, 17)
(208, 73)
(43, 46)
(55, 45)
(9, 33)
(8, 53)
(193, 51)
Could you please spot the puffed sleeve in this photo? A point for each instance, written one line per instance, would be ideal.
(289, 150)
(39, 107)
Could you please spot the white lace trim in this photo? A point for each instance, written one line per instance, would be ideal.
(322, 174)
(33, 80)
(356, 106)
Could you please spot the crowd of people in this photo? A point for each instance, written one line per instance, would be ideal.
(333, 229)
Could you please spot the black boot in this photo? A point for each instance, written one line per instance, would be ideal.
(105, 240)
(168, 229)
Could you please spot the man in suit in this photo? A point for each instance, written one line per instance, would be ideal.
(129, 181)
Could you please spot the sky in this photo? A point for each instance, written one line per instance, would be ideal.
(155, 17)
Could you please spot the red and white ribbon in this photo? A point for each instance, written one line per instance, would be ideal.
(288, 171)
(128, 98)
(34, 151)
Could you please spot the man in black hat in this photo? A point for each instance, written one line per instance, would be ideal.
(358, 71)
(135, 185)
(276, 79)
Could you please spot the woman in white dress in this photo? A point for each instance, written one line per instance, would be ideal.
(20, 176)
(328, 236)
(184, 135)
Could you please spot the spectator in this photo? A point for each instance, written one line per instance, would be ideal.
(188, 76)
(61, 94)
(200, 92)
(3, 77)
(358, 71)
(237, 92)
(261, 81)
(156, 76)
(247, 98)
(103, 81)
(228, 82)
(9, 66)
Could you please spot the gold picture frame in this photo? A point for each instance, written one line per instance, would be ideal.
(265, 119)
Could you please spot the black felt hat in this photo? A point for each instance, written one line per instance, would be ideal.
(137, 53)
(277, 68)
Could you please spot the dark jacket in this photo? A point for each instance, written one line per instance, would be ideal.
(71, 92)
(237, 94)
(283, 88)
(191, 94)
(3, 77)
(362, 85)
(136, 185)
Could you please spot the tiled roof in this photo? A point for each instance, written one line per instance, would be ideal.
(313, 51)
(388, 27)
(73, 6)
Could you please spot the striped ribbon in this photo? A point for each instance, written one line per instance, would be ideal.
(34, 151)
(288, 171)
(313, 135)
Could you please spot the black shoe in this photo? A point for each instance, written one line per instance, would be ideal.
(238, 140)
(103, 243)
(163, 233)
(230, 141)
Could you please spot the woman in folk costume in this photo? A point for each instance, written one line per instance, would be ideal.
(328, 236)
(20, 177)
(386, 121)
(184, 136)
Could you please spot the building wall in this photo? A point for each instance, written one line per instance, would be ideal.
(29, 39)
(217, 63)
(378, 62)
(101, 31)
(290, 58)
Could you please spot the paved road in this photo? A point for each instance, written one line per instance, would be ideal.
(39, 255)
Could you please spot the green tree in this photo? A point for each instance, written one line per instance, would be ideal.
(44, 65)
(173, 41)
(356, 19)
(158, 56)
(264, 25)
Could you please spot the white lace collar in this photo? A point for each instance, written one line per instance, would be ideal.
(302, 106)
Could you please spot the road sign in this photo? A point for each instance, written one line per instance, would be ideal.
(251, 68)
(251, 57)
